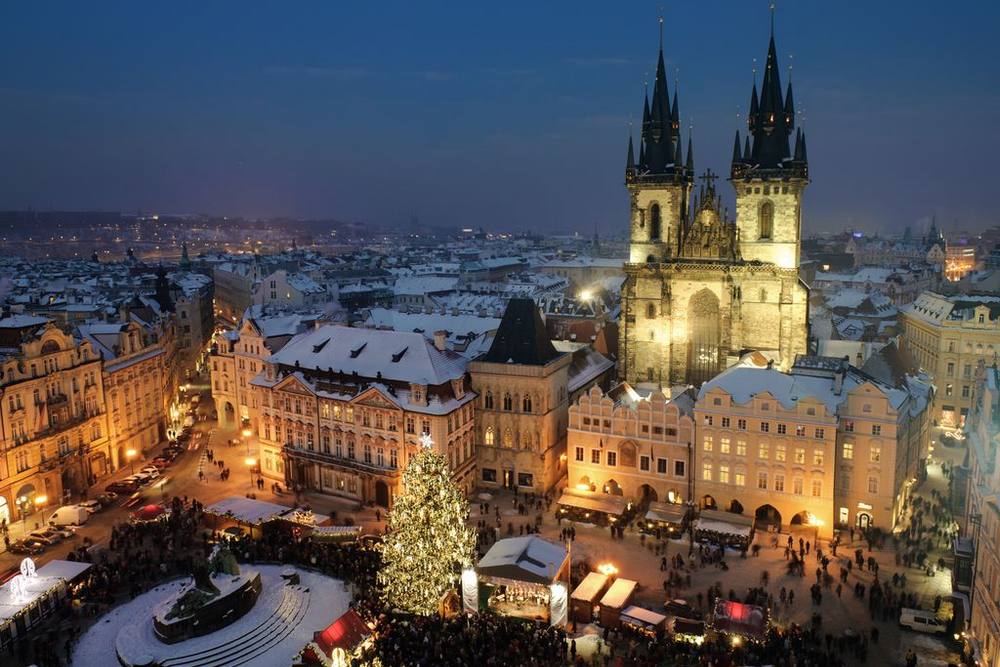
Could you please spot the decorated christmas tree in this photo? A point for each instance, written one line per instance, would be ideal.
(427, 541)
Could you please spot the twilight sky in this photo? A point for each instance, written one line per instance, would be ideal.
(507, 115)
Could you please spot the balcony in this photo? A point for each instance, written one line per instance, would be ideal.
(340, 461)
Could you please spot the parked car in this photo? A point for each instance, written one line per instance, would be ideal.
(162, 462)
(29, 546)
(921, 621)
(92, 506)
(65, 532)
(69, 515)
(125, 486)
(141, 477)
(150, 470)
(46, 535)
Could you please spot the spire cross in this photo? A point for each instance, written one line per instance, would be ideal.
(660, 20)
(709, 177)
(772, 19)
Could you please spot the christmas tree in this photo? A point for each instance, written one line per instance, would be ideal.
(427, 541)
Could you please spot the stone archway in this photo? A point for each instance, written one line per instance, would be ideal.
(767, 516)
(613, 488)
(704, 337)
(735, 506)
(708, 502)
(647, 493)
(864, 520)
(230, 413)
(802, 518)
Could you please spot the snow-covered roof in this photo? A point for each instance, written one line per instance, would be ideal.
(528, 558)
(418, 285)
(396, 355)
(428, 323)
(22, 321)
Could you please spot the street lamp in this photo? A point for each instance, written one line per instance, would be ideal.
(130, 455)
(251, 462)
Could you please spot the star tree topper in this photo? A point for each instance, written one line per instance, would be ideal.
(426, 441)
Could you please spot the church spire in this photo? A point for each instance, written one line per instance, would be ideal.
(690, 155)
(737, 155)
(630, 160)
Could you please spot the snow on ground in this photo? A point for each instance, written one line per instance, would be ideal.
(130, 625)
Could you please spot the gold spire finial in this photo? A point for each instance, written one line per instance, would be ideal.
(772, 20)
(660, 21)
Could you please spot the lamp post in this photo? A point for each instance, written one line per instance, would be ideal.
(40, 501)
(130, 455)
(251, 462)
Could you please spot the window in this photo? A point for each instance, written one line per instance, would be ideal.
(741, 424)
(848, 451)
(525, 479)
(765, 225)
(526, 406)
(797, 486)
(849, 426)
(650, 310)
(679, 468)
(490, 436)
(875, 454)
(765, 427)
(779, 452)
(800, 431)
(820, 434)
(661, 466)
(586, 421)
(658, 430)
(654, 222)
(817, 488)
(876, 429)
(612, 459)
(706, 472)
(762, 481)
(724, 474)
(867, 407)
(393, 458)
(965, 391)
(724, 445)
(741, 448)
(949, 389)
(782, 429)
(873, 485)
(644, 463)
(489, 475)
(368, 453)
(508, 402)
(779, 482)
(762, 451)
(708, 420)
(817, 457)
(800, 455)
(595, 456)
(579, 453)
(488, 400)
(726, 422)
(707, 444)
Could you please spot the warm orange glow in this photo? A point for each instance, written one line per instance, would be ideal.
(607, 569)
(251, 461)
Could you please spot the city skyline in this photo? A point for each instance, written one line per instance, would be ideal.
(389, 114)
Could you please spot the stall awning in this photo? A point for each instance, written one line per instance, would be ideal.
(590, 587)
(641, 616)
(256, 512)
(67, 570)
(666, 512)
(726, 523)
(613, 505)
(530, 559)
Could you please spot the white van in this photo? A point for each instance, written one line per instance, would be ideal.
(922, 621)
(69, 515)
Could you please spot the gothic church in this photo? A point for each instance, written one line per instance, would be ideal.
(701, 289)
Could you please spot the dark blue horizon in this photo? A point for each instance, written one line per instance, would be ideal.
(510, 117)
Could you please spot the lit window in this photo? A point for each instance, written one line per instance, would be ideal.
(724, 445)
(762, 481)
(875, 454)
(724, 474)
(848, 451)
(707, 444)
(779, 452)
(762, 451)
(706, 472)
(817, 488)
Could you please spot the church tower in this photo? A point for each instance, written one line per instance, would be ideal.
(659, 183)
(769, 179)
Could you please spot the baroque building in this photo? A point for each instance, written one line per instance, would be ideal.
(699, 288)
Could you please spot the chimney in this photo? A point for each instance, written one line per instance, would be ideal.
(838, 378)
(439, 339)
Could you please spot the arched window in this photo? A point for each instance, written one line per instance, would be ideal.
(766, 220)
(508, 402)
(526, 404)
(490, 435)
(650, 310)
(654, 222)
(488, 399)
(508, 438)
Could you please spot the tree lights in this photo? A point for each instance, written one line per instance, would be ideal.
(427, 542)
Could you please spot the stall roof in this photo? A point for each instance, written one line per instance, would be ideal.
(595, 503)
(728, 517)
(667, 512)
(619, 593)
(642, 614)
(67, 570)
(347, 632)
(726, 523)
(590, 587)
(255, 512)
(528, 558)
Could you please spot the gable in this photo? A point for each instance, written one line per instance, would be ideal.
(374, 398)
(294, 385)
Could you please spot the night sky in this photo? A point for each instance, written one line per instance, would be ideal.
(506, 115)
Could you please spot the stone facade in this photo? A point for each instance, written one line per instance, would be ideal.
(636, 445)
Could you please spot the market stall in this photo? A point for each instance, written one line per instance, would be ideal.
(590, 507)
(617, 598)
(727, 528)
(668, 518)
(255, 515)
(643, 619)
(339, 534)
(339, 643)
(585, 597)
(741, 619)
(521, 577)
(32, 595)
